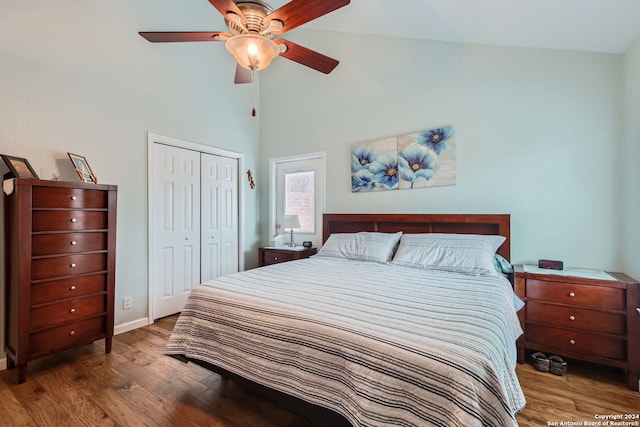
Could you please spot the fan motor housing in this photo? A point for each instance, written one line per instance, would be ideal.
(254, 11)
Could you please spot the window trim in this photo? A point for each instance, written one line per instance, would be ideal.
(273, 165)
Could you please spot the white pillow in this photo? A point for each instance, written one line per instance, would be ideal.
(464, 253)
(363, 246)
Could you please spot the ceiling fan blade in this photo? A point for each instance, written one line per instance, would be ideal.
(226, 6)
(298, 12)
(307, 57)
(243, 75)
(184, 36)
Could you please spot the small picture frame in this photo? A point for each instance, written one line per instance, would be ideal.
(81, 165)
(19, 167)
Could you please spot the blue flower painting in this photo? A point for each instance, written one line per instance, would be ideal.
(416, 163)
(420, 159)
(435, 139)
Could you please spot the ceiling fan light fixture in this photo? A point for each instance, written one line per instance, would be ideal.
(252, 51)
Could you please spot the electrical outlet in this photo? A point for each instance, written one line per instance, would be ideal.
(126, 303)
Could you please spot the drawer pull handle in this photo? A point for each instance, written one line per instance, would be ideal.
(72, 333)
(72, 287)
(73, 243)
(276, 258)
(572, 317)
(572, 342)
(73, 265)
(73, 310)
(73, 197)
(572, 294)
(74, 220)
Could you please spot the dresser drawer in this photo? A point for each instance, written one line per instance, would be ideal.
(51, 197)
(46, 268)
(578, 318)
(576, 294)
(576, 341)
(67, 311)
(55, 290)
(69, 220)
(61, 337)
(48, 244)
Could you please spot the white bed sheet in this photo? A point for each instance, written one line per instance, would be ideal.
(380, 344)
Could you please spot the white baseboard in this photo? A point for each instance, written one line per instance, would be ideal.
(3, 364)
(130, 326)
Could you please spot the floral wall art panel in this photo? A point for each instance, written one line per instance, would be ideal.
(427, 159)
(374, 165)
(415, 160)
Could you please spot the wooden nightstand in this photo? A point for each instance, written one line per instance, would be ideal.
(581, 314)
(268, 256)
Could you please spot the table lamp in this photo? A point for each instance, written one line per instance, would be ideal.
(291, 221)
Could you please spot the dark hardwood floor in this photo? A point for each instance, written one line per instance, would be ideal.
(136, 385)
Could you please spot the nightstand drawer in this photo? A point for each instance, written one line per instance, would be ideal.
(577, 318)
(268, 256)
(576, 294)
(579, 342)
(279, 256)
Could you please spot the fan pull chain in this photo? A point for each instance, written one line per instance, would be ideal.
(255, 91)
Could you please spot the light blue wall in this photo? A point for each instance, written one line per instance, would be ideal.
(539, 133)
(76, 77)
(631, 153)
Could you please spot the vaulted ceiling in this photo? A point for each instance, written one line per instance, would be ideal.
(585, 25)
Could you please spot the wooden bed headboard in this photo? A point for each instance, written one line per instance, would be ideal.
(499, 224)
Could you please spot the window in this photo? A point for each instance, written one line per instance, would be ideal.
(299, 199)
(297, 187)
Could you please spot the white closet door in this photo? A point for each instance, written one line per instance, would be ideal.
(219, 216)
(175, 252)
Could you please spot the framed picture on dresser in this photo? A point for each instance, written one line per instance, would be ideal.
(83, 169)
(19, 167)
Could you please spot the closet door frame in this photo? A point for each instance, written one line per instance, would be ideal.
(154, 138)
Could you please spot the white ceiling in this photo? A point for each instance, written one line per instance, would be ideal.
(586, 25)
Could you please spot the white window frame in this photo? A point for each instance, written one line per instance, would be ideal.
(320, 186)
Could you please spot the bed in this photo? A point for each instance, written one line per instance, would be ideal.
(381, 342)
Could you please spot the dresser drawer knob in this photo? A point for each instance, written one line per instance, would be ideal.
(275, 258)
(72, 265)
(572, 294)
(72, 287)
(73, 197)
(572, 342)
(74, 220)
(572, 317)
(73, 310)
(72, 333)
(73, 243)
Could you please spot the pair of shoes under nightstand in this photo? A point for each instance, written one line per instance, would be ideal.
(554, 364)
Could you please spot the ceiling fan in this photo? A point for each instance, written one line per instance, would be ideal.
(253, 25)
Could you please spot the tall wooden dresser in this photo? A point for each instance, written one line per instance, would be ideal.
(60, 242)
(590, 317)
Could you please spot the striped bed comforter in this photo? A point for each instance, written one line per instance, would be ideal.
(380, 344)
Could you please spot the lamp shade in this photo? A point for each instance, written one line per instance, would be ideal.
(291, 221)
(252, 51)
